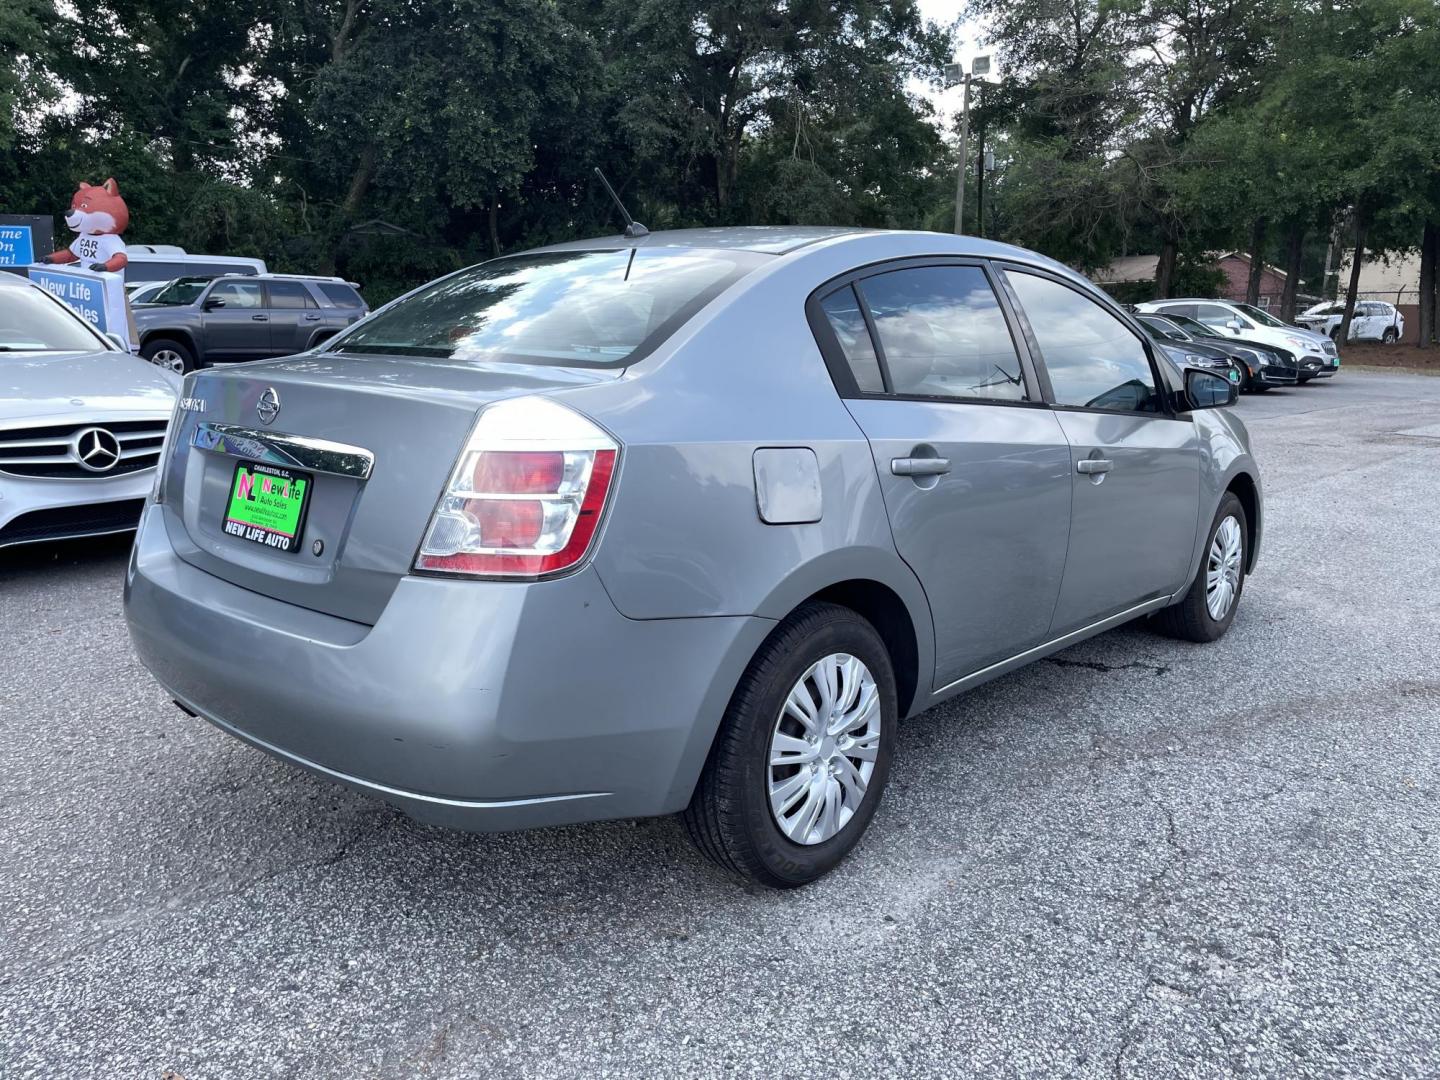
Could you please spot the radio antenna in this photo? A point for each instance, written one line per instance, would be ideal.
(633, 228)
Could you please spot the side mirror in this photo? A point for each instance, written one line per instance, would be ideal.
(213, 302)
(1234, 324)
(1207, 390)
(118, 340)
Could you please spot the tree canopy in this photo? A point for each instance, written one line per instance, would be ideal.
(392, 140)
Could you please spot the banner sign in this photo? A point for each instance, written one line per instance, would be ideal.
(99, 299)
(17, 245)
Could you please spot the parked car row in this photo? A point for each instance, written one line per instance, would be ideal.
(1310, 355)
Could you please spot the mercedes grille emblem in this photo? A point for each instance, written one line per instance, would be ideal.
(268, 407)
(96, 449)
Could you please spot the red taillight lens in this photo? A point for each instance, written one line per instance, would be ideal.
(518, 510)
(519, 472)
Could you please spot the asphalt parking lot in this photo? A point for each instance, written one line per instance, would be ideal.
(1139, 858)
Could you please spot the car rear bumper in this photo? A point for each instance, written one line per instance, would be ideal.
(35, 510)
(479, 705)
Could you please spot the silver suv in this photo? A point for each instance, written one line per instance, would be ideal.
(681, 524)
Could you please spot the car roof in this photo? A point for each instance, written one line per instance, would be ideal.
(1193, 300)
(785, 239)
(767, 239)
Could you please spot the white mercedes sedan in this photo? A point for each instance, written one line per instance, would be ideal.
(81, 422)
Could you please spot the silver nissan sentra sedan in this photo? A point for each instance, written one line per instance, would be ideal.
(681, 524)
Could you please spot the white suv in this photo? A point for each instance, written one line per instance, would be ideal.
(1374, 320)
(1315, 354)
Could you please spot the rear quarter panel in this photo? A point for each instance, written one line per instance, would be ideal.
(683, 537)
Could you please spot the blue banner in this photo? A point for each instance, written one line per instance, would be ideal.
(17, 247)
(86, 295)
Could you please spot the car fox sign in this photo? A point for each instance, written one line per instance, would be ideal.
(92, 285)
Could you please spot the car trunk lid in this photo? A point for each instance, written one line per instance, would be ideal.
(373, 438)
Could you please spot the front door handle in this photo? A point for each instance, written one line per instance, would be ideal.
(919, 466)
(260, 318)
(1090, 466)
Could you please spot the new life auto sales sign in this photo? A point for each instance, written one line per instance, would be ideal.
(99, 299)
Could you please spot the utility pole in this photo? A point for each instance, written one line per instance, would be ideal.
(980, 183)
(956, 75)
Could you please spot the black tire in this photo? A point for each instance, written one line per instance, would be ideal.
(1390, 336)
(169, 347)
(729, 817)
(1190, 619)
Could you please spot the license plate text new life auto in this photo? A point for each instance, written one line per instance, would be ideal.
(267, 505)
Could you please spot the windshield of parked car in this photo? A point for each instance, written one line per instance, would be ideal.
(573, 308)
(1160, 330)
(1264, 318)
(180, 291)
(30, 321)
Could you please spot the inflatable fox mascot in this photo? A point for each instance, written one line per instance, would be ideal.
(99, 215)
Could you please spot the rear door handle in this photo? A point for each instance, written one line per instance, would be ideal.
(1090, 466)
(312, 318)
(260, 318)
(919, 466)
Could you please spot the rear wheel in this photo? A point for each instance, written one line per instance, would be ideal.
(802, 755)
(1209, 607)
(169, 353)
(1390, 336)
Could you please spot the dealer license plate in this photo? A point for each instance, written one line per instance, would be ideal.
(267, 505)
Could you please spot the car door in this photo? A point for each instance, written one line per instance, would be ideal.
(294, 316)
(1135, 467)
(973, 466)
(239, 328)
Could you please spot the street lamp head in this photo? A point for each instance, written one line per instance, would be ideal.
(954, 74)
(981, 66)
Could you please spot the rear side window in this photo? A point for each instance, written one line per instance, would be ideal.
(137, 269)
(290, 294)
(1187, 310)
(843, 311)
(340, 295)
(1094, 360)
(942, 334)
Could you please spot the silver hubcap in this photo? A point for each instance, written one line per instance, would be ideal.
(169, 358)
(823, 749)
(1222, 569)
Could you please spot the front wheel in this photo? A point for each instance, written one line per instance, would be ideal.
(803, 752)
(1208, 608)
(168, 353)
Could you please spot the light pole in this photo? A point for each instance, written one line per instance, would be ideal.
(956, 75)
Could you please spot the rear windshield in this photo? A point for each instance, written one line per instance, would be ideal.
(572, 308)
(340, 295)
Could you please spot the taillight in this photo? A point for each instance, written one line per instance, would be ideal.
(526, 495)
